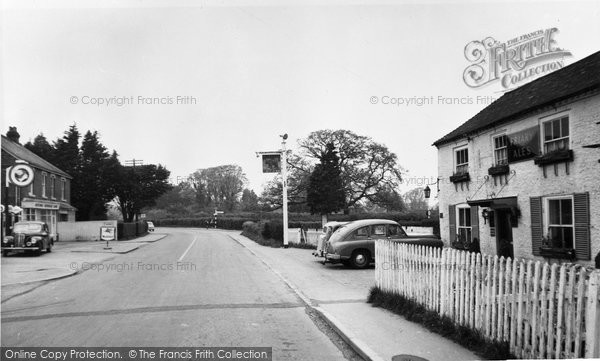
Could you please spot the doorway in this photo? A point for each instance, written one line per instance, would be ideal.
(504, 237)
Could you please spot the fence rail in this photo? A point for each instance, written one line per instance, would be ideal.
(541, 310)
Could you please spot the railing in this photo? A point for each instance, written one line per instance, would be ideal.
(541, 310)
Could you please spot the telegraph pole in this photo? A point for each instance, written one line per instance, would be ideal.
(132, 163)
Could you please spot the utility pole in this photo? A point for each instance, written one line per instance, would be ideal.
(132, 163)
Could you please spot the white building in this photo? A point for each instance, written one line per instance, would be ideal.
(522, 177)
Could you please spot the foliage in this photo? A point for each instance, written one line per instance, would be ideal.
(442, 325)
(41, 147)
(139, 187)
(415, 200)
(325, 190)
(249, 201)
(366, 167)
(218, 187)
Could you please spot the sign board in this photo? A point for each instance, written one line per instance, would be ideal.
(108, 233)
(271, 163)
(524, 144)
(21, 174)
(40, 205)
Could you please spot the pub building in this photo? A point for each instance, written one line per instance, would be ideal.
(46, 199)
(521, 178)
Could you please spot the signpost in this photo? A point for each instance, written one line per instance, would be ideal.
(273, 162)
(215, 215)
(21, 175)
(108, 233)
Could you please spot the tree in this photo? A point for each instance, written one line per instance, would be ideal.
(390, 200)
(139, 187)
(249, 202)
(366, 167)
(67, 150)
(94, 179)
(42, 148)
(178, 200)
(326, 191)
(415, 200)
(220, 186)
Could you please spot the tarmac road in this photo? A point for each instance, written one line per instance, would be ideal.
(192, 288)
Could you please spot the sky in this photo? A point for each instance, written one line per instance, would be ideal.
(196, 84)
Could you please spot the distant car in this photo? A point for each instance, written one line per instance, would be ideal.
(28, 236)
(353, 244)
(150, 227)
(328, 230)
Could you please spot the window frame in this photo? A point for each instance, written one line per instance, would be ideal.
(52, 186)
(44, 176)
(469, 228)
(63, 188)
(504, 148)
(464, 148)
(567, 139)
(546, 217)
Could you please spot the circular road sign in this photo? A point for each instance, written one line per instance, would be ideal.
(21, 175)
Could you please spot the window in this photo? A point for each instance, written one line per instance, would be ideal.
(501, 149)
(556, 134)
(52, 184)
(44, 185)
(378, 230)
(17, 195)
(463, 223)
(31, 190)
(362, 232)
(63, 186)
(395, 231)
(29, 214)
(559, 218)
(462, 161)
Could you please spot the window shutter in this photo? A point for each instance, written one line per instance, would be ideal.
(581, 202)
(452, 222)
(537, 233)
(474, 222)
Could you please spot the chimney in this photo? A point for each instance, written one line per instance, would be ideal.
(13, 135)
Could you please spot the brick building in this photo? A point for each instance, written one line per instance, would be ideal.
(522, 177)
(46, 199)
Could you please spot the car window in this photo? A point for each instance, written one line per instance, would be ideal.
(27, 227)
(362, 232)
(395, 231)
(378, 230)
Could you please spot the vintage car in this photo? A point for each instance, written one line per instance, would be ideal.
(354, 243)
(328, 230)
(28, 236)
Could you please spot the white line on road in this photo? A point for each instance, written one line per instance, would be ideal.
(186, 251)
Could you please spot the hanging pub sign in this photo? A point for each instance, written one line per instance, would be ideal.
(271, 163)
(524, 144)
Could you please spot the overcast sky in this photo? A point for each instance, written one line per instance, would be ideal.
(256, 70)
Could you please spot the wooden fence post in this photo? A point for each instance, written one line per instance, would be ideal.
(592, 317)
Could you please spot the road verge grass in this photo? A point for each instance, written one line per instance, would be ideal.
(442, 325)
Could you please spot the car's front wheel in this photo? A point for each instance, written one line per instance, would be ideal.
(360, 259)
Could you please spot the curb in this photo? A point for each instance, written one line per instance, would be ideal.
(69, 274)
(357, 345)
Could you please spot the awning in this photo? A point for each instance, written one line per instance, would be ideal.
(496, 203)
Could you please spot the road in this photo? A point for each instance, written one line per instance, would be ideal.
(192, 288)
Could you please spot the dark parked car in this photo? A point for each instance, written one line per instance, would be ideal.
(28, 236)
(354, 243)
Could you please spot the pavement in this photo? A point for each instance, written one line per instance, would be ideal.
(374, 333)
(65, 260)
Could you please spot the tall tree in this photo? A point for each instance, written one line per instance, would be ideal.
(93, 183)
(326, 190)
(42, 147)
(139, 187)
(415, 200)
(67, 150)
(220, 186)
(249, 201)
(367, 167)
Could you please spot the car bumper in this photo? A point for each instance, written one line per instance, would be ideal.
(335, 258)
(20, 248)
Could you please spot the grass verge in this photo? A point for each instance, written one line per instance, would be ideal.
(442, 325)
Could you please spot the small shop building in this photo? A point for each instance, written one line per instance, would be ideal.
(46, 199)
(521, 178)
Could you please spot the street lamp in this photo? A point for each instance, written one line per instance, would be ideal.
(427, 192)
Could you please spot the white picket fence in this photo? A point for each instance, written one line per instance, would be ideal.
(541, 310)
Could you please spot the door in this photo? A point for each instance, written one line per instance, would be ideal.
(504, 238)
